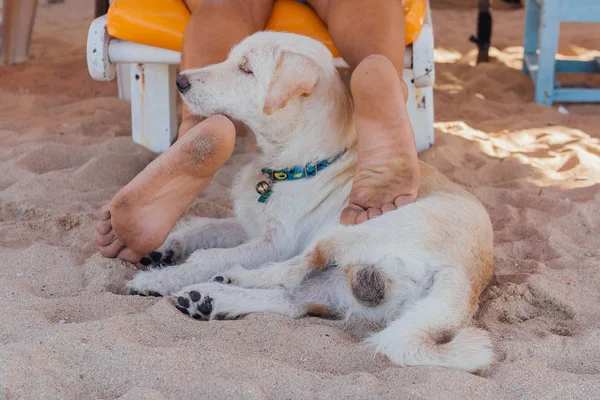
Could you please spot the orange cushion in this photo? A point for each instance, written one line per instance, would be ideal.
(161, 23)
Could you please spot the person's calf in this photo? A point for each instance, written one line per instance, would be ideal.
(388, 170)
(143, 213)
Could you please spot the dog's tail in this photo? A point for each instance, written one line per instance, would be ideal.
(470, 349)
(433, 330)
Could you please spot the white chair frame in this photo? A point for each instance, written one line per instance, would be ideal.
(146, 78)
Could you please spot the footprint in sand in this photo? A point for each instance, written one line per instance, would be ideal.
(518, 303)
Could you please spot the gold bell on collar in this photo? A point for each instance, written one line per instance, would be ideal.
(263, 187)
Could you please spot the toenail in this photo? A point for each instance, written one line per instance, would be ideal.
(155, 256)
(145, 261)
(195, 296)
(219, 279)
(183, 302)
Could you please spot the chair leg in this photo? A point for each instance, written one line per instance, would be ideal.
(532, 26)
(153, 105)
(548, 39)
(124, 81)
(17, 24)
(420, 110)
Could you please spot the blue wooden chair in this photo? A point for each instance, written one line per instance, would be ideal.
(542, 26)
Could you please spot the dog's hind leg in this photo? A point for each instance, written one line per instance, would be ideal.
(324, 254)
(432, 331)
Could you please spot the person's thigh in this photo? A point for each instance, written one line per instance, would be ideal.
(257, 10)
(320, 6)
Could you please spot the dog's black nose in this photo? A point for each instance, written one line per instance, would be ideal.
(183, 83)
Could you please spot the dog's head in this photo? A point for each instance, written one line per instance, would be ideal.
(273, 82)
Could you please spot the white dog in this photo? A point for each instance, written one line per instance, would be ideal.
(419, 269)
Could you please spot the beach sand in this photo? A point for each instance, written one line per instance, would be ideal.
(68, 332)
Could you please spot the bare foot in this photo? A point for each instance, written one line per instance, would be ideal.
(143, 213)
(388, 169)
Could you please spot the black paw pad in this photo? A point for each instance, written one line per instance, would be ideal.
(183, 302)
(168, 259)
(205, 307)
(155, 256)
(195, 296)
(145, 261)
(220, 279)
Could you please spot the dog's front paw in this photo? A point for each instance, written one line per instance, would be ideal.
(170, 253)
(149, 283)
(158, 259)
(195, 304)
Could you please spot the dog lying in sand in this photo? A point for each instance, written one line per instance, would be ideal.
(419, 269)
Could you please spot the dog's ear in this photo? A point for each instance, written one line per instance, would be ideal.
(294, 76)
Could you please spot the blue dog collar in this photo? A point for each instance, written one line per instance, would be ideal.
(305, 171)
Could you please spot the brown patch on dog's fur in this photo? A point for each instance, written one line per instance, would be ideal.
(321, 257)
(317, 310)
(368, 285)
(284, 88)
(481, 274)
(442, 337)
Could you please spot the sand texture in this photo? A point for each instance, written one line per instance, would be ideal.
(68, 332)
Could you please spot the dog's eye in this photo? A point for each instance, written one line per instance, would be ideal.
(245, 69)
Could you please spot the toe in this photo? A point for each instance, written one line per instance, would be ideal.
(362, 217)
(373, 213)
(105, 240)
(405, 199)
(111, 250)
(350, 214)
(104, 213)
(387, 207)
(126, 254)
(103, 227)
